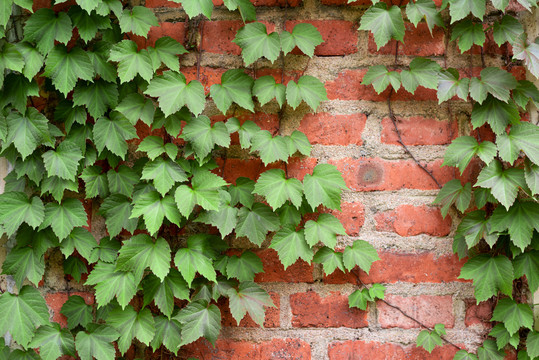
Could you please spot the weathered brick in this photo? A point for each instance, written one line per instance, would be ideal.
(298, 167)
(327, 129)
(368, 2)
(275, 349)
(428, 309)
(207, 76)
(364, 350)
(478, 314)
(409, 220)
(271, 319)
(406, 267)
(274, 271)
(433, 131)
(250, 168)
(417, 42)
(55, 301)
(172, 4)
(218, 36)
(371, 174)
(352, 217)
(340, 37)
(309, 309)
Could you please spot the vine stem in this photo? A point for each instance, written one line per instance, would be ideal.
(394, 121)
(362, 284)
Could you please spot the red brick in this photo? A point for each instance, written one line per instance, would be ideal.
(282, 3)
(251, 168)
(271, 320)
(446, 352)
(177, 31)
(274, 271)
(352, 217)
(340, 37)
(433, 131)
(298, 167)
(362, 350)
(275, 349)
(309, 309)
(428, 309)
(327, 129)
(369, 2)
(207, 76)
(478, 313)
(406, 267)
(371, 174)
(417, 42)
(55, 301)
(265, 121)
(218, 35)
(409, 220)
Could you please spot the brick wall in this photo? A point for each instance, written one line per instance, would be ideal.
(389, 202)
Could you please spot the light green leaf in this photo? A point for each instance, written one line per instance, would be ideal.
(381, 78)
(27, 131)
(235, 87)
(77, 312)
(459, 9)
(299, 142)
(45, 26)
(359, 299)
(113, 134)
(513, 315)
(64, 217)
(246, 8)
(454, 193)
(164, 173)
(197, 7)
(502, 336)
(468, 33)
(524, 49)
(16, 208)
(422, 72)
(362, 254)
(131, 62)
(224, 219)
(464, 148)
(489, 275)
(10, 58)
(325, 229)
(304, 35)
(532, 344)
(428, 340)
(242, 192)
(138, 20)
(330, 259)
(154, 209)
(265, 89)
(97, 96)
(249, 298)
(291, 246)
(277, 189)
(141, 252)
(155, 146)
(110, 283)
(495, 81)
(65, 68)
(244, 267)
(203, 137)
(190, 261)
(385, 24)
(204, 191)
(24, 262)
(502, 183)
(53, 342)
(32, 167)
(80, 239)
(255, 223)
(165, 51)
(131, 324)
(449, 85)
(464, 355)
(33, 60)
(164, 292)
(424, 9)
(255, 42)
(324, 187)
(309, 89)
(96, 342)
(270, 148)
(136, 107)
(523, 136)
(106, 251)
(199, 319)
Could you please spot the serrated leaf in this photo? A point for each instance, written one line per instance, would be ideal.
(64, 161)
(131, 62)
(165, 51)
(53, 342)
(459, 9)
(527, 264)
(164, 173)
(167, 333)
(26, 132)
(173, 93)
(110, 283)
(16, 208)
(330, 260)
(122, 181)
(513, 315)
(464, 148)
(385, 24)
(136, 107)
(507, 30)
(199, 319)
(525, 92)
(422, 72)
(242, 192)
(255, 42)
(362, 254)
(10, 58)
(22, 314)
(45, 26)
(498, 114)
(532, 344)
(474, 227)
(244, 267)
(520, 220)
(74, 267)
(117, 211)
(80, 239)
(277, 189)
(33, 60)
(502, 336)
(271, 148)
(132, 324)
(190, 261)
(464, 355)
(494, 81)
(197, 7)
(96, 342)
(489, 275)
(164, 292)
(88, 23)
(309, 89)
(291, 246)
(97, 96)
(454, 193)
(224, 219)
(96, 182)
(154, 146)
(64, 217)
(468, 33)
(528, 51)
(428, 340)
(113, 134)
(523, 136)
(138, 20)
(265, 89)
(65, 68)
(246, 8)
(304, 35)
(16, 90)
(203, 137)
(235, 87)
(154, 209)
(324, 187)
(141, 252)
(381, 78)
(424, 9)
(359, 299)
(299, 142)
(503, 184)
(256, 222)
(204, 191)
(249, 298)
(77, 312)
(325, 229)
(24, 262)
(106, 251)
(103, 68)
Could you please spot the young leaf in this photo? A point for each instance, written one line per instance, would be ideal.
(359, 299)
(97, 96)
(304, 35)
(362, 254)
(199, 319)
(204, 137)
(523, 136)
(468, 33)
(528, 51)
(330, 259)
(454, 193)
(513, 315)
(385, 24)
(255, 223)
(53, 342)
(131, 324)
(197, 7)
(163, 292)
(110, 283)
(459, 9)
(204, 191)
(464, 148)
(277, 189)
(16, 208)
(249, 298)
(45, 26)
(265, 89)
(325, 229)
(422, 72)
(77, 312)
(64, 161)
(498, 114)
(291, 246)
(244, 267)
(255, 42)
(65, 68)
(489, 275)
(141, 252)
(154, 209)
(324, 187)
(424, 9)
(130, 61)
(164, 173)
(381, 78)
(235, 87)
(503, 184)
(165, 51)
(96, 342)
(428, 340)
(309, 89)
(271, 148)
(138, 20)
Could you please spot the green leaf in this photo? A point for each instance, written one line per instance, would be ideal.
(502, 336)
(131, 62)
(270, 148)
(96, 182)
(381, 78)
(53, 342)
(117, 211)
(246, 8)
(204, 191)
(97, 96)
(80, 239)
(362, 254)
(16, 91)
(300, 142)
(249, 298)
(65, 68)
(154, 209)
(325, 229)
(32, 167)
(173, 93)
(189, 262)
(291, 246)
(10, 58)
(464, 148)
(164, 292)
(464, 355)
(528, 51)
(256, 222)
(385, 24)
(203, 137)
(532, 344)
(489, 275)
(27, 131)
(45, 26)
(138, 20)
(330, 260)
(88, 23)
(197, 7)
(64, 217)
(141, 252)
(459, 9)
(520, 219)
(199, 319)
(495, 81)
(110, 283)
(454, 193)
(165, 51)
(167, 332)
(497, 113)
(155, 146)
(525, 92)
(523, 136)
(235, 87)
(75, 267)
(22, 314)
(136, 107)
(265, 89)
(503, 184)
(507, 30)
(305, 36)
(107, 251)
(255, 42)
(164, 173)
(428, 340)
(244, 267)
(96, 342)
(77, 312)
(468, 33)
(18, 354)
(324, 187)
(113, 134)
(474, 227)
(277, 189)
(513, 315)
(33, 60)
(527, 264)
(309, 89)
(242, 192)
(24, 262)
(64, 161)
(422, 72)
(131, 324)
(224, 219)
(122, 181)
(99, 56)
(359, 299)
(16, 208)
(424, 9)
